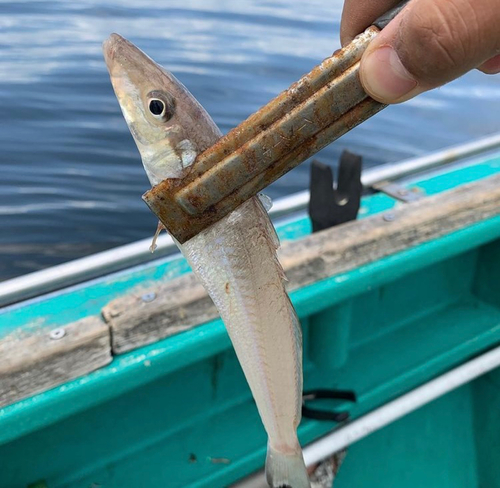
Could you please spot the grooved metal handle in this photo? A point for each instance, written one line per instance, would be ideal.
(316, 110)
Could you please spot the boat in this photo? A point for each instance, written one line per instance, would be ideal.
(117, 372)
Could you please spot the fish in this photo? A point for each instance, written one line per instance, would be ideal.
(235, 259)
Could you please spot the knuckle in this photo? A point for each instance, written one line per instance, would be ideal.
(434, 44)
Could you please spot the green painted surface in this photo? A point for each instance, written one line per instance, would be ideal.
(178, 413)
(431, 447)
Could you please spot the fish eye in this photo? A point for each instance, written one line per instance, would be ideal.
(156, 107)
(160, 105)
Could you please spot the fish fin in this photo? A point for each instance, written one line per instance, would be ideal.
(286, 470)
(269, 227)
(153, 246)
(297, 330)
(272, 236)
(266, 201)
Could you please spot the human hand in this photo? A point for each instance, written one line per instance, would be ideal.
(430, 43)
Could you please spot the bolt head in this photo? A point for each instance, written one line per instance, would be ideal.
(148, 297)
(56, 334)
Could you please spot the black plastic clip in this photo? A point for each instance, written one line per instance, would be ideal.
(329, 206)
(384, 19)
(322, 394)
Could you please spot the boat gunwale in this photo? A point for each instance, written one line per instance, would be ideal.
(133, 369)
(67, 274)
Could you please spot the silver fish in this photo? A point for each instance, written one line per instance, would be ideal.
(235, 258)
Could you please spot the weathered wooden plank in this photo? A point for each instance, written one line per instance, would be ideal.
(33, 361)
(153, 314)
(164, 310)
(351, 245)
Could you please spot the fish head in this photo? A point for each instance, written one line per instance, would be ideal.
(167, 123)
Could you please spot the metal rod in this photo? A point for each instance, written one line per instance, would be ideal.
(73, 272)
(390, 412)
(209, 191)
(253, 155)
(79, 270)
(297, 131)
(389, 172)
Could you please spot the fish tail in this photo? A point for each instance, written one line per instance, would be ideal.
(286, 470)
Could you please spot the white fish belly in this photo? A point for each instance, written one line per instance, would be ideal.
(236, 261)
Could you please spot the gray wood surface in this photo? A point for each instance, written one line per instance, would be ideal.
(360, 242)
(32, 361)
(152, 314)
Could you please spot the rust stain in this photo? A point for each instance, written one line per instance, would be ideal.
(227, 287)
(311, 113)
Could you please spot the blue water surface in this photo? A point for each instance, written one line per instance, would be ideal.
(70, 176)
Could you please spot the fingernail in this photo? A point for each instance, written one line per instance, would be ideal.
(384, 77)
(492, 66)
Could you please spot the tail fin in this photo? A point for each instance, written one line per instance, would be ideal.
(286, 470)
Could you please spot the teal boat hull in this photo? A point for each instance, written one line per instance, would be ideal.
(178, 413)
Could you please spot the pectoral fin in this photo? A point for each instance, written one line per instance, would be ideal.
(153, 246)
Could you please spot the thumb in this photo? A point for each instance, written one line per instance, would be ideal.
(428, 44)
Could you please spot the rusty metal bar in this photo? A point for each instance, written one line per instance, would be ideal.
(287, 100)
(323, 105)
(319, 108)
(259, 155)
(277, 128)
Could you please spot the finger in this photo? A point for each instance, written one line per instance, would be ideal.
(492, 66)
(357, 15)
(428, 44)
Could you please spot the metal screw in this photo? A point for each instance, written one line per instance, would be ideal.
(148, 297)
(57, 334)
(389, 217)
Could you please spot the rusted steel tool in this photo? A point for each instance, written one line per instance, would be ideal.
(316, 110)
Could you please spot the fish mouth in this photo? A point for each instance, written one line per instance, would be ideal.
(115, 49)
(109, 47)
(121, 53)
(126, 61)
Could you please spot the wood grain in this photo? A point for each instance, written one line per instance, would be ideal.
(351, 245)
(183, 303)
(153, 314)
(33, 362)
